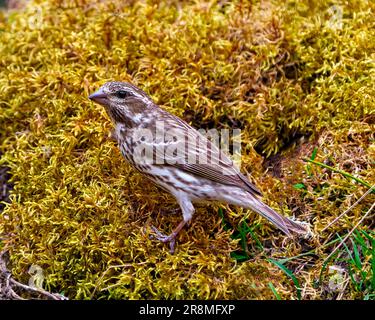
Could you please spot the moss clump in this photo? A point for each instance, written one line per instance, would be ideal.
(277, 71)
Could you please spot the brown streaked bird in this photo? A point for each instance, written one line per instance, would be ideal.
(162, 146)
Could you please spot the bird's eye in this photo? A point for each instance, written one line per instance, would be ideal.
(122, 94)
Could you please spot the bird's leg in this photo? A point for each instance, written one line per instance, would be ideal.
(187, 212)
(170, 238)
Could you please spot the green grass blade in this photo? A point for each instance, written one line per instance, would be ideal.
(345, 174)
(299, 186)
(249, 230)
(362, 242)
(369, 237)
(356, 259)
(313, 155)
(226, 225)
(243, 233)
(353, 278)
(347, 250)
(240, 257)
(273, 289)
(289, 274)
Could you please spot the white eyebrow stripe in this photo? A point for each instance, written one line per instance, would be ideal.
(136, 92)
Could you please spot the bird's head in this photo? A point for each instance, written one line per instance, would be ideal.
(123, 101)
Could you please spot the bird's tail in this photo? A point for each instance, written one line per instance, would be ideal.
(284, 224)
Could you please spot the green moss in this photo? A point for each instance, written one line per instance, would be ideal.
(277, 71)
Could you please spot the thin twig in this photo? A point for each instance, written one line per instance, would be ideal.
(11, 283)
(350, 208)
(350, 233)
(342, 291)
(53, 296)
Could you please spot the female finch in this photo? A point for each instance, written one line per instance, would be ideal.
(178, 158)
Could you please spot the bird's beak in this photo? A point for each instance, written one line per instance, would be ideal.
(99, 96)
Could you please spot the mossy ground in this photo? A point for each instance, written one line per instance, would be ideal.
(294, 76)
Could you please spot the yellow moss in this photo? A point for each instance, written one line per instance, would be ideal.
(277, 71)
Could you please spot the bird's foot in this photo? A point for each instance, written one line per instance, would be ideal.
(171, 238)
(164, 238)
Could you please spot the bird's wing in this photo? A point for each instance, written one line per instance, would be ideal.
(187, 150)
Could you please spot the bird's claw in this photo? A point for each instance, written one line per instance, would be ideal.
(164, 238)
